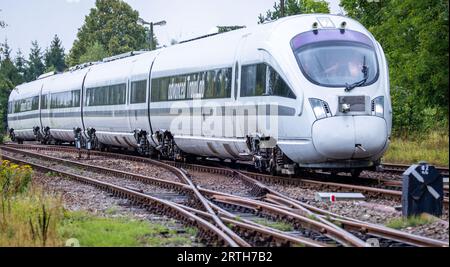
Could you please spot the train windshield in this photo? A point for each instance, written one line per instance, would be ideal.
(337, 64)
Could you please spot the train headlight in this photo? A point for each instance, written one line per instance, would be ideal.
(320, 108)
(378, 106)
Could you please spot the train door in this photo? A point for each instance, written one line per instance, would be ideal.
(132, 104)
(240, 147)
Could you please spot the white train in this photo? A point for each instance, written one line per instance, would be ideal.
(307, 91)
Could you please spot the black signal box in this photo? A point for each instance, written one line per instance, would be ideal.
(423, 191)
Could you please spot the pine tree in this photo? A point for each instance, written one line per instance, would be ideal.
(35, 65)
(7, 67)
(54, 56)
(20, 64)
(5, 51)
(9, 77)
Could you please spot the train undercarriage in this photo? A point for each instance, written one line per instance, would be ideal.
(266, 156)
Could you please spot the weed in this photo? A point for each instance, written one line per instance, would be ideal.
(413, 221)
(282, 226)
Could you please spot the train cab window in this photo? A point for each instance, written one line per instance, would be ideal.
(138, 92)
(65, 99)
(263, 80)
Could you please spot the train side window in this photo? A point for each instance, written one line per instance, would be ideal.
(10, 107)
(236, 79)
(76, 98)
(16, 106)
(218, 83)
(106, 95)
(35, 103)
(67, 99)
(44, 102)
(277, 86)
(210, 89)
(207, 84)
(160, 88)
(263, 80)
(138, 92)
(253, 80)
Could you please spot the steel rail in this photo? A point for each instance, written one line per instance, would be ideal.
(350, 224)
(167, 184)
(151, 203)
(400, 168)
(344, 238)
(373, 230)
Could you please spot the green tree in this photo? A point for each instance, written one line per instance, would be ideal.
(7, 67)
(35, 66)
(8, 77)
(294, 7)
(20, 63)
(414, 35)
(54, 56)
(95, 52)
(113, 25)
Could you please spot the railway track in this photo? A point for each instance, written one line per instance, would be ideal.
(400, 168)
(312, 182)
(272, 204)
(258, 234)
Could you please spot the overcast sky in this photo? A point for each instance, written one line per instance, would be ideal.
(40, 20)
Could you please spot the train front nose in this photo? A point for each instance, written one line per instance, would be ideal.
(349, 137)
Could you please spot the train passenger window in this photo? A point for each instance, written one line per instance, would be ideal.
(253, 80)
(236, 79)
(205, 84)
(68, 99)
(27, 104)
(218, 83)
(138, 92)
(17, 106)
(159, 89)
(106, 95)
(44, 101)
(210, 89)
(117, 94)
(263, 80)
(9, 107)
(35, 103)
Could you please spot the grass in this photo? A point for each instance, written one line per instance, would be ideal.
(413, 221)
(282, 226)
(30, 219)
(93, 231)
(432, 148)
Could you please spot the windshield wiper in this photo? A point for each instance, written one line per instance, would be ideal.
(365, 71)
